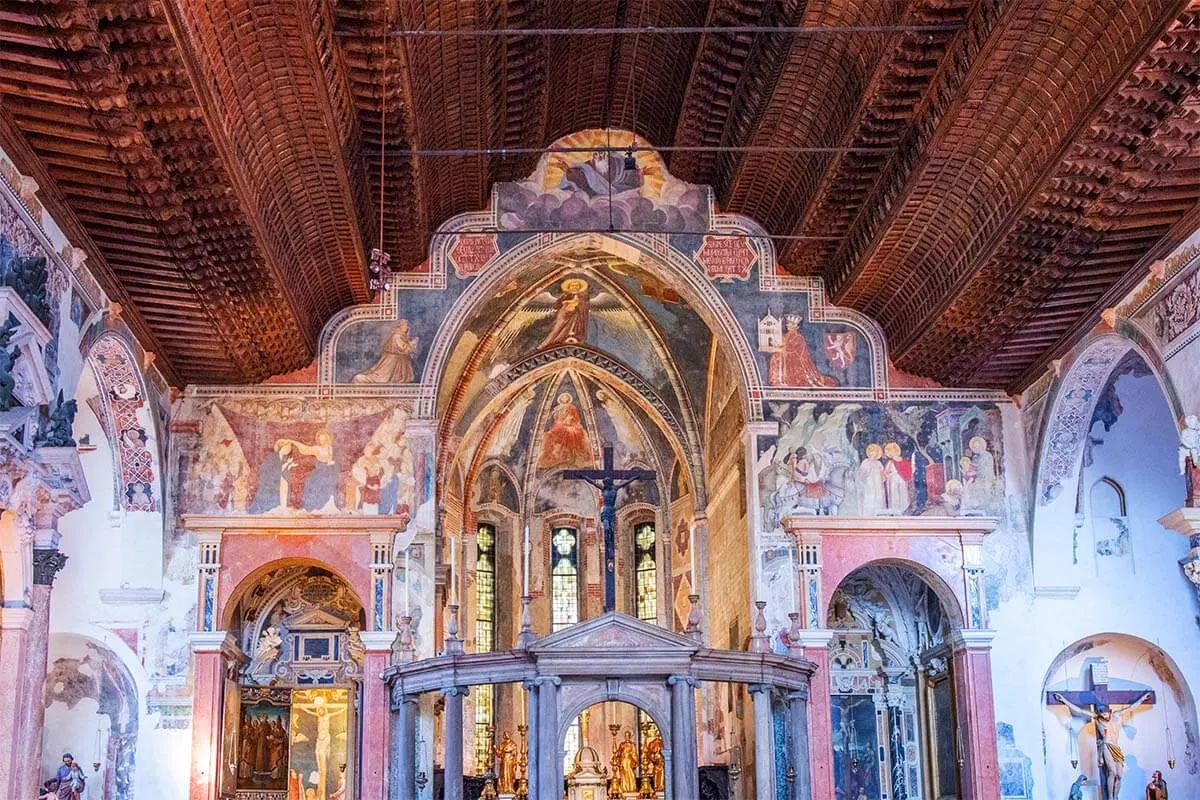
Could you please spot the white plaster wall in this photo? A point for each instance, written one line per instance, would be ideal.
(1149, 598)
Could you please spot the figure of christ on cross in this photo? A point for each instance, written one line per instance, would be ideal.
(1108, 722)
(609, 481)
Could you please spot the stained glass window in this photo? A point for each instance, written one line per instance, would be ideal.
(646, 574)
(564, 578)
(485, 637)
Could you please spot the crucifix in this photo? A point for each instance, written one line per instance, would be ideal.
(609, 481)
(1095, 704)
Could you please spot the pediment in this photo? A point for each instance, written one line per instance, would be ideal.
(613, 633)
(313, 619)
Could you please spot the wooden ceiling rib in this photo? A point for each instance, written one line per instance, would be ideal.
(990, 172)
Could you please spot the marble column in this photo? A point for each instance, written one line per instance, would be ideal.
(374, 748)
(798, 752)
(764, 742)
(452, 728)
(531, 777)
(550, 778)
(212, 655)
(684, 775)
(976, 712)
(820, 713)
(403, 748)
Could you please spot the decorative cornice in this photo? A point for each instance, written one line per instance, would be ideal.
(908, 526)
(973, 639)
(292, 524)
(1183, 520)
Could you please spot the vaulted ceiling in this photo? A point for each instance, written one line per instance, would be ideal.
(983, 177)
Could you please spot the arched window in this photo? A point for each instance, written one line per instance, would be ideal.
(646, 572)
(564, 578)
(485, 635)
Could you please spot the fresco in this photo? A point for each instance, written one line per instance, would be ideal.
(281, 455)
(938, 459)
(601, 190)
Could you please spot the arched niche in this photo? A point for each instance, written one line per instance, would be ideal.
(1081, 410)
(93, 713)
(1157, 730)
(894, 698)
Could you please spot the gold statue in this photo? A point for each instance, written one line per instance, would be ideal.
(506, 771)
(625, 764)
(653, 763)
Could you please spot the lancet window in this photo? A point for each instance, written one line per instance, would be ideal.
(564, 583)
(485, 633)
(646, 572)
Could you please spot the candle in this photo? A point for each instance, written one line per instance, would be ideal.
(452, 589)
(525, 572)
(407, 578)
(692, 553)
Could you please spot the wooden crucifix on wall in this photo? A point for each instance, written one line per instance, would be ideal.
(1096, 704)
(609, 481)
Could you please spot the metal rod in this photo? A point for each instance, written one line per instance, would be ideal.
(517, 151)
(729, 235)
(687, 30)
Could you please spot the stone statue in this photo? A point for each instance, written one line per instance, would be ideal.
(1076, 792)
(625, 764)
(56, 424)
(354, 645)
(7, 361)
(1189, 457)
(506, 768)
(270, 645)
(653, 763)
(1156, 789)
(1108, 737)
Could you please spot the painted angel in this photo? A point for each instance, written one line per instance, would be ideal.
(572, 311)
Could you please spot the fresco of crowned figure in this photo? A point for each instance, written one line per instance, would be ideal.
(566, 442)
(395, 362)
(791, 363)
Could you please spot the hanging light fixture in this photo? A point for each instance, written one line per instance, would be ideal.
(378, 282)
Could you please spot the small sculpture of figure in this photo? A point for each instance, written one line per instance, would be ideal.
(270, 644)
(1189, 457)
(625, 764)
(354, 644)
(69, 781)
(1156, 789)
(55, 427)
(1076, 792)
(7, 361)
(653, 763)
(506, 771)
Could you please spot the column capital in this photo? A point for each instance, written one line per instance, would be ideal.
(675, 680)
(758, 688)
(47, 563)
(816, 638)
(378, 641)
(456, 691)
(214, 642)
(541, 680)
(970, 639)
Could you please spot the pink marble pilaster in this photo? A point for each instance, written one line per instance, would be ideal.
(976, 715)
(820, 714)
(14, 645)
(376, 714)
(210, 655)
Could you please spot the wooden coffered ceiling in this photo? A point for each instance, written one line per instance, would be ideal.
(981, 176)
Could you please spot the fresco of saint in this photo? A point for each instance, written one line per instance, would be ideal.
(395, 363)
(566, 442)
(791, 364)
(302, 463)
(570, 315)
